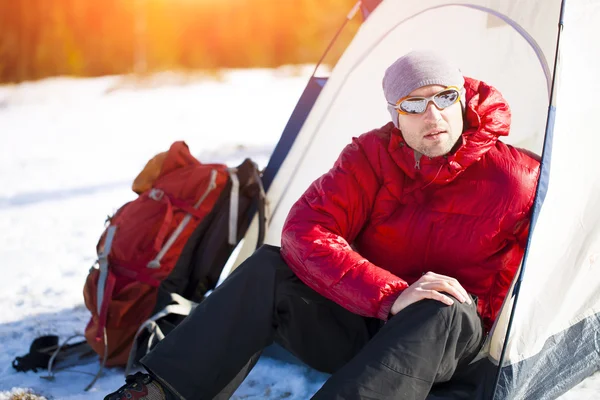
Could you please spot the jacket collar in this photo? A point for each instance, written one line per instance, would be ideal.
(487, 117)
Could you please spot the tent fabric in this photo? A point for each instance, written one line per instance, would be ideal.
(512, 45)
(566, 359)
(557, 316)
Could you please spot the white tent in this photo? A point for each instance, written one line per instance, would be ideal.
(553, 313)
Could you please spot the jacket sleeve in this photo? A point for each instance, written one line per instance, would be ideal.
(322, 224)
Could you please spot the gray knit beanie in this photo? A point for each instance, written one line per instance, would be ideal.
(416, 69)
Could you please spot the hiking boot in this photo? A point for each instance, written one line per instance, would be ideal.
(141, 387)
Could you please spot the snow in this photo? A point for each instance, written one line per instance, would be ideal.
(69, 149)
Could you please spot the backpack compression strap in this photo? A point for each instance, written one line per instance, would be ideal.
(106, 284)
(155, 263)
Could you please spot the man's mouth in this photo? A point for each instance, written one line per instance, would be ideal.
(434, 134)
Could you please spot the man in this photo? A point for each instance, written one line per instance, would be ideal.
(393, 265)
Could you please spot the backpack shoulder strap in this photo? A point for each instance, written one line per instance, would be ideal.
(261, 204)
(252, 182)
(234, 201)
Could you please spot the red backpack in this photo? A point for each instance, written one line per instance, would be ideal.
(142, 244)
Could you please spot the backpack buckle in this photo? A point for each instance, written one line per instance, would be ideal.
(156, 194)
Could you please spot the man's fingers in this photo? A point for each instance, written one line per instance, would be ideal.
(427, 290)
(445, 286)
(451, 284)
(435, 295)
(464, 296)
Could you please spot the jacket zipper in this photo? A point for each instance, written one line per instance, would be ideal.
(418, 159)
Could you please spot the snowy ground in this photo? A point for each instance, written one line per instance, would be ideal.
(69, 150)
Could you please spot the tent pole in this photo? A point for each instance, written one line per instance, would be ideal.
(350, 15)
(538, 203)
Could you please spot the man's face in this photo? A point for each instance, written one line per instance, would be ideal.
(435, 132)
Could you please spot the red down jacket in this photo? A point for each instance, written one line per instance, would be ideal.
(373, 224)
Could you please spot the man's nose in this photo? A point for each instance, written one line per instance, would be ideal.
(432, 112)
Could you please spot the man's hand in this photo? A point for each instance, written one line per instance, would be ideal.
(429, 286)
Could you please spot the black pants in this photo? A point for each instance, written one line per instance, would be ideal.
(417, 351)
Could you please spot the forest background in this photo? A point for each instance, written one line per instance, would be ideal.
(85, 38)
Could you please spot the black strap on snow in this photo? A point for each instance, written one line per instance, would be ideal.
(40, 351)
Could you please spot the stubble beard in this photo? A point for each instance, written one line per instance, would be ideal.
(437, 149)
